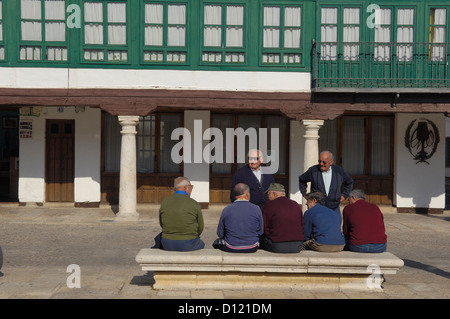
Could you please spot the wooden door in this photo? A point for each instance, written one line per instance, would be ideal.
(60, 158)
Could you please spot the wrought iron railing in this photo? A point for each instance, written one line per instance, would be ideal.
(346, 66)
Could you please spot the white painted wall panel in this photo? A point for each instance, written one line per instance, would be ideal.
(419, 185)
(154, 79)
(87, 156)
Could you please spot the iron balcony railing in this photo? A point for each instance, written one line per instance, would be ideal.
(386, 66)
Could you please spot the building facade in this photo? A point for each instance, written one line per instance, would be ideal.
(94, 93)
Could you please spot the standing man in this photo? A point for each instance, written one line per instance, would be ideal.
(327, 179)
(181, 219)
(363, 225)
(240, 224)
(283, 222)
(252, 175)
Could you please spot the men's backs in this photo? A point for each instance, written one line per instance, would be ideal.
(241, 223)
(180, 217)
(363, 223)
(283, 220)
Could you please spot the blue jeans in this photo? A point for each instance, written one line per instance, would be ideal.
(182, 245)
(367, 248)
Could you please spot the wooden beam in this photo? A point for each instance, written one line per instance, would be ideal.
(298, 106)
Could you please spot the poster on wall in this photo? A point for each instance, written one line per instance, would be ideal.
(26, 129)
(31, 111)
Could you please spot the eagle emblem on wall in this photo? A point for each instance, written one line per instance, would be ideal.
(422, 139)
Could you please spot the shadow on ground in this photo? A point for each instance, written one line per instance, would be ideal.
(425, 267)
(145, 280)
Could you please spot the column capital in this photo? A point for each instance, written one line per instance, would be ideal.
(128, 124)
(312, 123)
(312, 128)
(128, 119)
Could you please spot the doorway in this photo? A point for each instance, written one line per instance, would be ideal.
(60, 160)
(9, 154)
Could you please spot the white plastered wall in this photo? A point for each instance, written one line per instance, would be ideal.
(296, 159)
(60, 78)
(198, 169)
(419, 185)
(87, 155)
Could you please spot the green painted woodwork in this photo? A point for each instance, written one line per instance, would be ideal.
(2, 45)
(250, 56)
(368, 68)
(135, 48)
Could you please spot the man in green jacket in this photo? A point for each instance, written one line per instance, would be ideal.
(181, 219)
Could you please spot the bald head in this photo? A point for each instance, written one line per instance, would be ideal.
(241, 191)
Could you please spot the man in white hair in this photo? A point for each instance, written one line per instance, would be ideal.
(328, 179)
(252, 175)
(181, 219)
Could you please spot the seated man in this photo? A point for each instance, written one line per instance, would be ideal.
(181, 219)
(283, 222)
(240, 224)
(322, 228)
(363, 225)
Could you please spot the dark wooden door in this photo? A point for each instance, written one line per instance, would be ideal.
(60, 158)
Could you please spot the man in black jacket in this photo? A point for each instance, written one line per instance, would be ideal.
(253, 175)
(327, 179)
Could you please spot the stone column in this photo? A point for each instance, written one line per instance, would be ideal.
(127, 187)
(311, 153)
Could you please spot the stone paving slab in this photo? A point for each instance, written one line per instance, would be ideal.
(40, 242)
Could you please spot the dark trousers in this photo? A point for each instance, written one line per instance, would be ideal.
(220, 243)
(281, 247)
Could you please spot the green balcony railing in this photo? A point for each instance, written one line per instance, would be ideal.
(385, 66)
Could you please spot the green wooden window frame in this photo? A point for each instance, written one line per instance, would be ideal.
(165, 52)
(281, 54)
(42, 48)
(79, 53)
(100, 49)
(2, 36)
(438, 52)
(405, 50)
(331, 48)
(224, 53)
(397, 46)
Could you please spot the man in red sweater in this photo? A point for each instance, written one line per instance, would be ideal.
(363, 225)
(283, 222)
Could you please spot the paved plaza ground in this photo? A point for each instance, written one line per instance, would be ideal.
(39, 243)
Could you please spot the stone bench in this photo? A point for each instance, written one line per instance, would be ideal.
(307, 270)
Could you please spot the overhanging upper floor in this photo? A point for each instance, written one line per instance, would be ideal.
(383, 67)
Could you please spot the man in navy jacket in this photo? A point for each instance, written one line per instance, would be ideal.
(322, 228)
(252, 175)
(327, 179)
